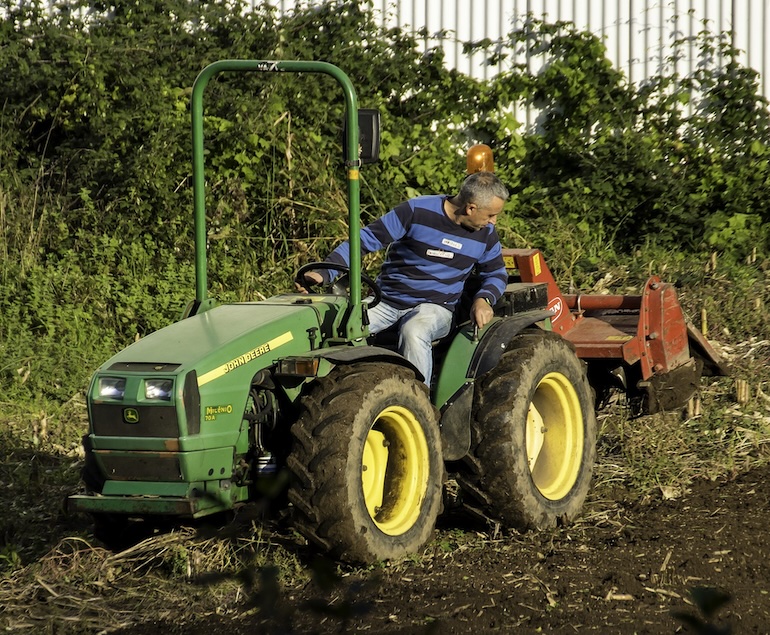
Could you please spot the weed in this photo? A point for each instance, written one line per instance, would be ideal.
(10, 560)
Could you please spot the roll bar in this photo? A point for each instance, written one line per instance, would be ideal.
(351, 152)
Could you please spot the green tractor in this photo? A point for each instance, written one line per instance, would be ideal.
(198, 417)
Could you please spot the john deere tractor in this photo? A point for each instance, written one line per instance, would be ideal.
(194, 419)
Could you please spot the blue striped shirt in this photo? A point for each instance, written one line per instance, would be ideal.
(430, 256)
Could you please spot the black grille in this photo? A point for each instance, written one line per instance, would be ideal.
(522, 296)
(138, 467)
(109, 420)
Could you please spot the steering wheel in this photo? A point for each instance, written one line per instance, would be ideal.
(340, 286)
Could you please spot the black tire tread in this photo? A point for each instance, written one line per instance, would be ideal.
(490, 478)
(318, 460)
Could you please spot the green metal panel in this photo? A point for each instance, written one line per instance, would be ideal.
(140, 503)
(198, 497)
(454, 369)
(177, 499)
(216, 463)
(148, 488)
(204, 340)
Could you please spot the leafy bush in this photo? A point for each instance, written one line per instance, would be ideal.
(95, 199)
(633, 164)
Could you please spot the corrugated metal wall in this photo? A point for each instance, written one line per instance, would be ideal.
(639, 34)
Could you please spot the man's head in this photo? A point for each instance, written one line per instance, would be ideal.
(481, 197)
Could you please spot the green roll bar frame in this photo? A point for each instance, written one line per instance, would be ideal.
(354, 329)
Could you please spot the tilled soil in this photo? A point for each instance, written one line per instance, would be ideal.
(696, 564)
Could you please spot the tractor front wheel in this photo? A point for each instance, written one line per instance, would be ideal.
(533, 436)
(367, 465)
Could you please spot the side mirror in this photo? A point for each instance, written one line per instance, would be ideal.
(368, 136)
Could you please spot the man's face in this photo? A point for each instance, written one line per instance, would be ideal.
(477, 218)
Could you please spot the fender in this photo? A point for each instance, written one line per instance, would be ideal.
(350, 354)
(456, 410)
(496, 338)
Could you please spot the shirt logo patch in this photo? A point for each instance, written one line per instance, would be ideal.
(451, 243)
(440, 253)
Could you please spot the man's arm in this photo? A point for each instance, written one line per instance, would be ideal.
(375, 236)
(494, 278)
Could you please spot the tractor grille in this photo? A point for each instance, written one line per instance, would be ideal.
(152, 467)
(111, 420)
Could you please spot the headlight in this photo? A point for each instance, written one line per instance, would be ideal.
(112, 387)
(159, 389)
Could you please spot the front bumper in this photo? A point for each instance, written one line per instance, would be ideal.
(146, 505)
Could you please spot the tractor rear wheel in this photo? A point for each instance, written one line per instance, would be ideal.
(367, 465)
(533, 436)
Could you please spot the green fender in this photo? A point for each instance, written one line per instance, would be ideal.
(331, 357)
(351, 354)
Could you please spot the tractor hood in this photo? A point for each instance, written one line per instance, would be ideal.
(201, 367)
(227, 337)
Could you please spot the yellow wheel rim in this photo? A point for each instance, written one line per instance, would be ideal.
(395, 470)
(554, 436)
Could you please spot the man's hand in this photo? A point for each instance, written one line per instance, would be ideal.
(481, 312)
(311, 278)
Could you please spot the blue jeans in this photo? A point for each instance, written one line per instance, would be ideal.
(418, 328)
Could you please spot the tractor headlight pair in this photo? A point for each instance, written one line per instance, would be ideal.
(154, 389)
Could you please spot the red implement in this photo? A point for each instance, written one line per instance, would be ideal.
(641, 338)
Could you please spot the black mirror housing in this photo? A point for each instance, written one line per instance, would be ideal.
(368, 136)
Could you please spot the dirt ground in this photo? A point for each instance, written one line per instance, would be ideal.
(696, 564)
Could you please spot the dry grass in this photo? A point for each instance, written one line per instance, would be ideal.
(724, 434)
(75, 586)
(82, 588)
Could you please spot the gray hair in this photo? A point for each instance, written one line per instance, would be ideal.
(480, 188)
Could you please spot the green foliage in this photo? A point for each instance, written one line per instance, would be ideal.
(94, 188)
(80, 308)
(679, 161)
(9, 559)
(95, 197)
